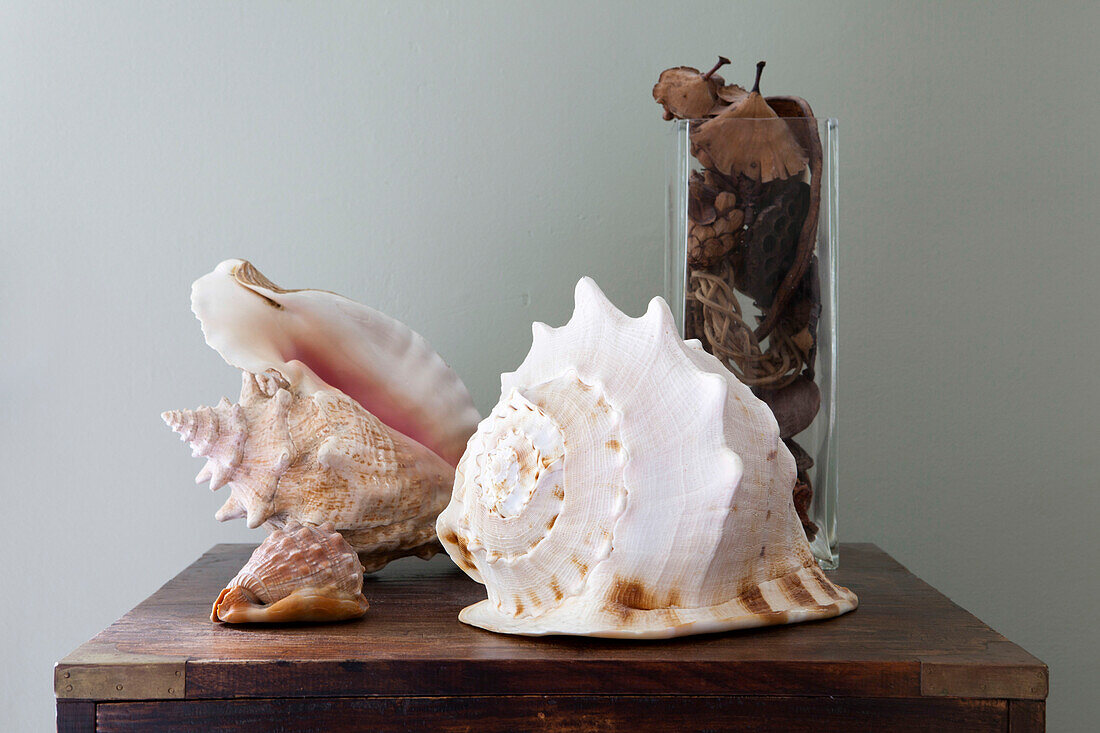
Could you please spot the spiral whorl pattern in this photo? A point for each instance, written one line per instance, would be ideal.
(525, 487)
(215, 433)
(197, 427)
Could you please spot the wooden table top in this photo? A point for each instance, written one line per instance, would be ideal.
(905, 640)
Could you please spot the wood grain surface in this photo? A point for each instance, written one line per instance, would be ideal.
(567, 713)
(907, 651)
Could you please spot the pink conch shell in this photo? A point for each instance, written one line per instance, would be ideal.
(319, 458)
(318, 341)
(299, 573)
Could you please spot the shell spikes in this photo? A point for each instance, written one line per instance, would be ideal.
(220, 434)
(319, 458)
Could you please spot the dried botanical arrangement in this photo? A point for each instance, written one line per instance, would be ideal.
(628, 485)
(752, 216)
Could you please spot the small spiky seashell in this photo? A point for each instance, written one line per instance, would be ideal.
(318, 458)
(300, 573)
(318, 341)
(627, 485)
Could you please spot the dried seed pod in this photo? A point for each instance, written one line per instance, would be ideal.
(732, 93)
(687, 93)
(730, 223)
(749, 139)
(707, 245)
(725, 202)
(803, 461)
(804, 340)
(794, 405)
(701, 198)
(771, 242)
(715, 223)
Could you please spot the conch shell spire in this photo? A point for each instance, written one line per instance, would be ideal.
(220, 435)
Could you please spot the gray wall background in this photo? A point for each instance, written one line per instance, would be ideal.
(460, 166)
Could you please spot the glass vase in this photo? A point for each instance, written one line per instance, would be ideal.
(751, 273)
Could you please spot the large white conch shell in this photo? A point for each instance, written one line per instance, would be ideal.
(318, 341)
(627, 485)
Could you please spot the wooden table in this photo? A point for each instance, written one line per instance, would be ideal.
(907, 660)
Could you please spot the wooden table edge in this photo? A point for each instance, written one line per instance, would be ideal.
(1008, 681)
(135, 677)
(632, 712)
(98, 671)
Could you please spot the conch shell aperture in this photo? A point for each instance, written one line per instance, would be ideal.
(627, 485)
(319, 341)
